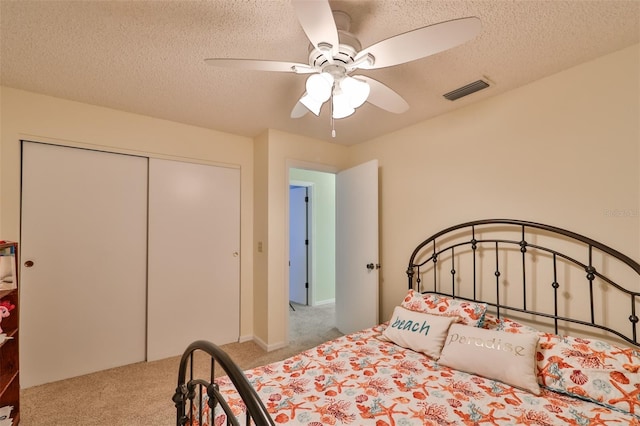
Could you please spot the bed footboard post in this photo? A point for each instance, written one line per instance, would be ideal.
(179, 398)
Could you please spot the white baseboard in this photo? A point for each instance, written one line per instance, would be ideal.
(268, 348)
(243, 339)
(325, 302)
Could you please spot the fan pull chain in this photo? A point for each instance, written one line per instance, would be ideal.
(333, 127)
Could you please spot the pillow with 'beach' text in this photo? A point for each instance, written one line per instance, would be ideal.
(418, 331)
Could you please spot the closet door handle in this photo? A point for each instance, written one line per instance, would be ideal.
(28, 264)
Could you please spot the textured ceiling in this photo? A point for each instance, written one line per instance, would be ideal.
(147, 57)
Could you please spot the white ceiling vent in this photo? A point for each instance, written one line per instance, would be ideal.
(466, 90)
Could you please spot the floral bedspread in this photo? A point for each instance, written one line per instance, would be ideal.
(361, 380)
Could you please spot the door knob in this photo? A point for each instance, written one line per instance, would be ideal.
(28, 264)
(370, 266)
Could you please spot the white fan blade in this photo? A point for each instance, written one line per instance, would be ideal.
(316, 19)
(299, 110)
(420, 43)
(261, 65)
(384, 97)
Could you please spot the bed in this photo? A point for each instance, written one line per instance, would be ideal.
(504, 322)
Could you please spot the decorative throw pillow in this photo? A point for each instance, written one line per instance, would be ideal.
(469, 313)
(491, 322)
(506, 357)
(591, 369)
(418, 331)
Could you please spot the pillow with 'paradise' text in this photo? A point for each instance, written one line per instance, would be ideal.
(505, 357)
(418, 331)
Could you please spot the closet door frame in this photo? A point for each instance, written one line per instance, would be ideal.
(145, 340)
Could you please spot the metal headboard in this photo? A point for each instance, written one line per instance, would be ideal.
(465, 236)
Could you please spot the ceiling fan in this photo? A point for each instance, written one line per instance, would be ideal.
(336, 54)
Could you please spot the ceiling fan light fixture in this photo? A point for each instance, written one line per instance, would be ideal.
(356, 90)
(319, 86)
(311, 103)
(341, 105)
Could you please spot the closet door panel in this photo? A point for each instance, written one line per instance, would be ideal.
(194, 256)
(84, 226)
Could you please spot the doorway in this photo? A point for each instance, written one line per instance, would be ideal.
(311, 242)
(321, 233)
(299, 218)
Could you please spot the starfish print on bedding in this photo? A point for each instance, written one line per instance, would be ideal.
(274, 407)
(329, 352)
(407, 366)
(460, 389)
(472, 418)
(332, 382)
(335, 367)
(498, 390)
(581, 419)
(379, 410)
(294, 386)
(630, 353)
(365, 364)
(364, 351)
(376, 386)
(595, 359)
(632, 398)
(410, 384)
(258, 384)
(432, 414)
(336, 410)
(534, 418)
(552, 369)
(299, 367)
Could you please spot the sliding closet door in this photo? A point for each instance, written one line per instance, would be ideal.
(84, 227)
(194, 256)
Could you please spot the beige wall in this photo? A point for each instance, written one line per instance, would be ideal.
(282, 151)
(563, 150)
(26, 115)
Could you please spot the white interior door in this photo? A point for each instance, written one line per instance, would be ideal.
(298, 285)
(194, 256)
(357, 247)
(84, 227)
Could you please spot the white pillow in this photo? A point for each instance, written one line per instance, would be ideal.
(506, 357)
(418, 331)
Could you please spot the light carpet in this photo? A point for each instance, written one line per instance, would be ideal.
(140, 394)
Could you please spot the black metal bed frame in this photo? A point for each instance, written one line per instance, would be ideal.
(442, 245)
(191, 390)
(432, 251)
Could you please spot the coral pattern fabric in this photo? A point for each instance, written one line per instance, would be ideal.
(491, 322)
(469, 313)
(359, 379)
(591, 369)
